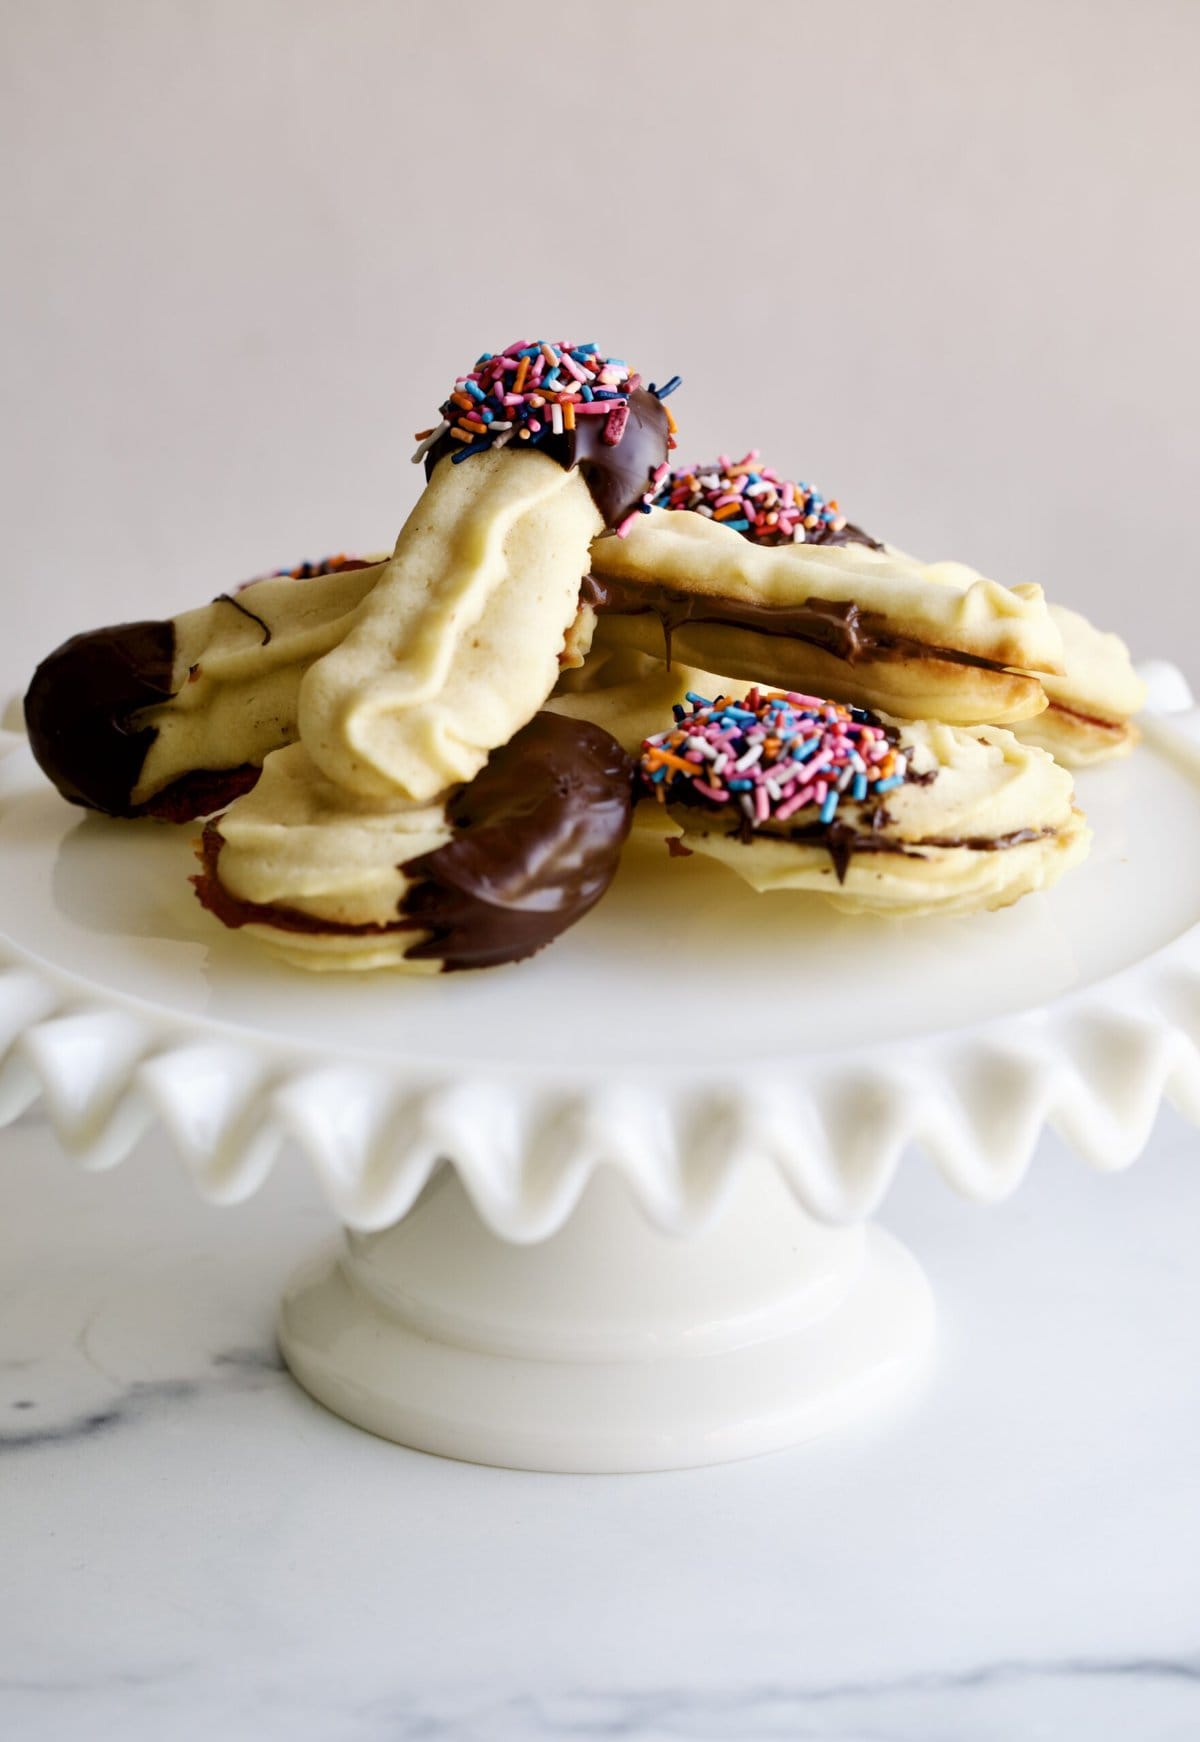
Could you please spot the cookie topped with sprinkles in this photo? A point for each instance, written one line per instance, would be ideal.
(772, 755)
(311, 571)
(582, 407)
(754, 500)
(327, 565)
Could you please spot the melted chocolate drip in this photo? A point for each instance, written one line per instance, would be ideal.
(617, 476)
(840, 628)
(228, 599)
(539, 836)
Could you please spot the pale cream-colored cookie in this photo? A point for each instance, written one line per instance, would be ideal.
(963, 819)
(875, 627)
(629, 693)
(457, 645)
(175, 717)
(316, 874)
(1091, 705)
(237, 669)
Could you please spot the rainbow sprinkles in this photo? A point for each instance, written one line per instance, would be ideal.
(752, 499)
(771, 755)
(535, 390)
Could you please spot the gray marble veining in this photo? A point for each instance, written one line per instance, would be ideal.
(193, 1548)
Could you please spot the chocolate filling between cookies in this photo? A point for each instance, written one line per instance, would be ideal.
(1117, 727)
(840, 628)
(843, 840)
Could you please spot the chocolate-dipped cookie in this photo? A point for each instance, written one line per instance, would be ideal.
(799, 793)
(739, 571)
(490, 874)
(447, 660)
(172, 718)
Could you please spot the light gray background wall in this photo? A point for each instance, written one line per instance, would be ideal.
(940, 259)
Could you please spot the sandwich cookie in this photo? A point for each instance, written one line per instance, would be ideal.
(737, 570)
(796, 792)
(1091, 706)
(490, 875)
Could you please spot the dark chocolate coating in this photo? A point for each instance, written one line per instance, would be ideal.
(618, 477)
(80, 706)
(539, 836)
(848, 534)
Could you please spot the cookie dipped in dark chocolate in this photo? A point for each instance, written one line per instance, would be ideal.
(539, 836)
(617, 474)
(80, 708)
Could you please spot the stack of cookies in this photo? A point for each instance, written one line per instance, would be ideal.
(433, 761)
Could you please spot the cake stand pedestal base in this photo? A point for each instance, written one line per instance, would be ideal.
(609, 1346)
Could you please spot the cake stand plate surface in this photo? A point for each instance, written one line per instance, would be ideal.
(515, 1154)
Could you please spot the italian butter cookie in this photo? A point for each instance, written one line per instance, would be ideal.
(173, 717)
(489, 875)
(451, 654)
(795, 792)
(743, 572)
(541, 448)
(1089, 717)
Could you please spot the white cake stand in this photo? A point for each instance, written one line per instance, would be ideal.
(514, 1155)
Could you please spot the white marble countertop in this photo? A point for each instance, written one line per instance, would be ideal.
(193, 1548)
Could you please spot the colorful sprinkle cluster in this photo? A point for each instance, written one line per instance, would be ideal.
(752, 499)
(328, 565)
(535, 390)
(771, 755)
